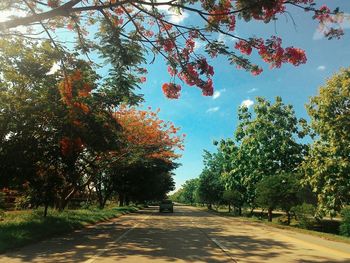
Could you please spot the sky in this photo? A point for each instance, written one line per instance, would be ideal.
(205, 119)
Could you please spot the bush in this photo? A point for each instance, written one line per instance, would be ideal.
(305, 215)
(22, 202)
(344, 228)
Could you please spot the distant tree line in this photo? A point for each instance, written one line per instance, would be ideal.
(267, 164)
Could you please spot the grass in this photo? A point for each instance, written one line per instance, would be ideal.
(326, 225)
(20, 228)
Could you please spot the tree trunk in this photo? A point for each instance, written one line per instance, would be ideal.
(121, 200)
(229, 208)
(269, 212)
(127, 200)
(240, 211)
(288, 217)
(45, 210)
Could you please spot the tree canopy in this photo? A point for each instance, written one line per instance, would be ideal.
(149, 26)
(61, 136)
(327, 167)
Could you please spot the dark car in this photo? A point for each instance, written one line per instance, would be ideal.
(166, 205)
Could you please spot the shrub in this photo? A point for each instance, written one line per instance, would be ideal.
(344, 228)
(22, 202)
(305, 215)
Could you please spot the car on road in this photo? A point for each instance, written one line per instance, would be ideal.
(166, 205)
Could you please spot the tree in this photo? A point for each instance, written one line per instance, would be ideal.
(140, 169)
(49, 127)
(234, 181)
(327, 166)
(278, 191)
(210, 186)
(145, 26)
(267, 143)
(187, 193)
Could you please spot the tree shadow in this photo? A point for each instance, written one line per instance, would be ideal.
(187, 235)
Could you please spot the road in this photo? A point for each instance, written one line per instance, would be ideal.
(187, 235)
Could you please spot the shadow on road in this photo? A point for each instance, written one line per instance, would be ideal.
(186, 235)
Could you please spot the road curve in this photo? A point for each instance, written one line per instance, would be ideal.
(187, 235)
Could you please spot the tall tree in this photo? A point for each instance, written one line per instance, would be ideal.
(327, 166)
(149, 149)
(150, 25)
(235, 187)
(211, 186)
(267, 142)
(53, 127)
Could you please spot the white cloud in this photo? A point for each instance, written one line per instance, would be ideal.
(12, 14)
(8, 15)
(319, 32)
(172, 15)
(55, 67)
(247, 103)
(213, 109)
(321, 68)
(177, 18)
(252, 90)
(198, 44)
(225, 38)
(216, 95)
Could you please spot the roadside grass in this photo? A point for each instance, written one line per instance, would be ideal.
(20, 228)
(331, 226)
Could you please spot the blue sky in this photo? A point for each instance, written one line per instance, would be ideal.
(205, 119)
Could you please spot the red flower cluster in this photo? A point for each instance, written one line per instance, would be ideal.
(272, 52)
(204, 67)
(119, 11)
(190, 44)
(165, 27)
(231, 23)
(323, 15)
(295, 56)
(244, 46)
(171, 90)
(220, 14)
(190, 75)
(168, 45)
(256, 71)
(269, 12)
(207, 88)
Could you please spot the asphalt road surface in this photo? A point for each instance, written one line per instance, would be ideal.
(187, 235)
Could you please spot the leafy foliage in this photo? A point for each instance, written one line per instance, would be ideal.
(129, 29)
(345, 224)
(327, 166)
(278, 191)
(60, 132)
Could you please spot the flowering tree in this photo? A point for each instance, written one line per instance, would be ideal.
(141, 168)
(149, 25)
(144, 130)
